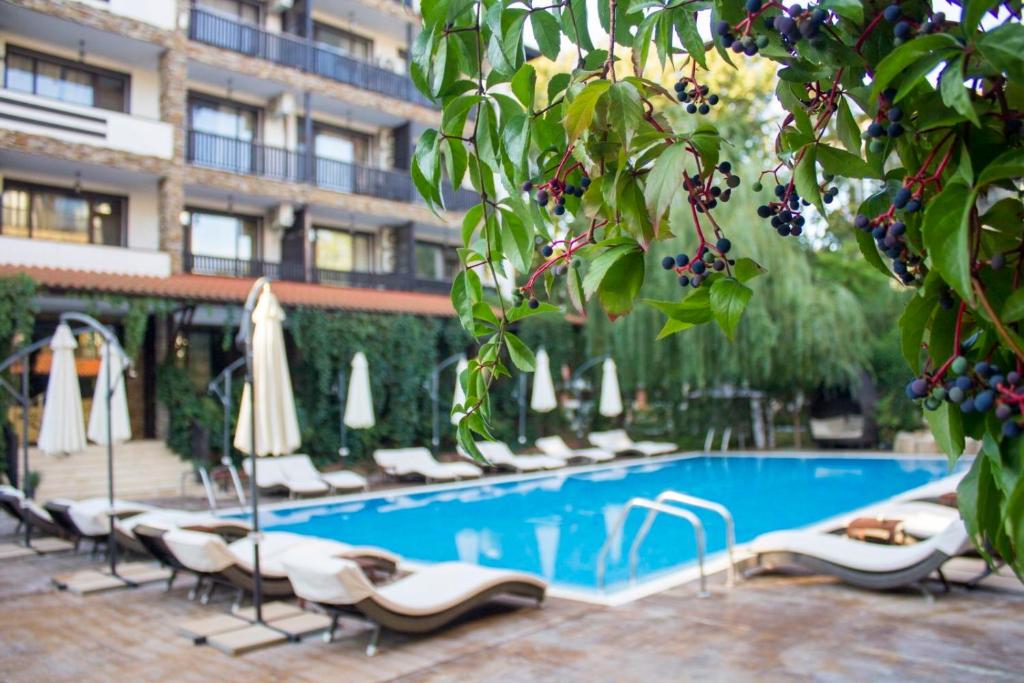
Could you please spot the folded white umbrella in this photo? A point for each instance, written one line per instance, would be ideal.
(112, 366)
(611, 398)
(543, 398)
(359, 404)
(63, 427)
(460, 396)
(277, 426)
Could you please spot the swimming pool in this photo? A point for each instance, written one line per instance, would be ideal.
(554, 525)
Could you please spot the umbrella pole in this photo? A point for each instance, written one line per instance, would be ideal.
(343, 402)
(522, 408)
(25, 404)
(254, 491)
(109, 392)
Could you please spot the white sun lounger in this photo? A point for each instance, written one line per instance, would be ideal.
(920, 519)
(868, 565)
(399, 462)
(500, 455)
(617, 441)
(555, 447)
(419, 603)
(210, 557)
(298, 471)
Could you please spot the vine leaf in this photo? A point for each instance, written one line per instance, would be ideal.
(1003, 48)
(519, 352)
(904, 56)
(913, 323)
(621, 283)
(954, 94)
(948, 428)
(805, 177)
(664, 180)
(841, 163)
(547, 33)
(580, 112)
(729, 298)
(847, 129)
(945, 231)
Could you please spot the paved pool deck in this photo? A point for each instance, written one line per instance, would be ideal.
(769, 628)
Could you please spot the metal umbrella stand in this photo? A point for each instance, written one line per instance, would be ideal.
(22, 396)
(110, 346)
(221, 388)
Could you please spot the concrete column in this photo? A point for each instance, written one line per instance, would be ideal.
(173, 71)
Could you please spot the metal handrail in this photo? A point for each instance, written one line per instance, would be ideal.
(686, 499)
(709, 440)
(654, 507)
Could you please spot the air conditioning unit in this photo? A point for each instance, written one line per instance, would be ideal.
(280, 5)
(283, 105)
(283, 217)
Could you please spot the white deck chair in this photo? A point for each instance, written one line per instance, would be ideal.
(399, 462)
(500, 455)
(299, 471)
(868, 565)
(618, 441)
(555, 447)
(418, 603)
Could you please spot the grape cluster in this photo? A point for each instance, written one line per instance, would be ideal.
(890, 237)
(706, 197)
(785, 214)
(698, 100)
(888, 122)
(692, 271)
(557, 190)
(903, 27)
(977, 389)
(798, 24)
(748, 45)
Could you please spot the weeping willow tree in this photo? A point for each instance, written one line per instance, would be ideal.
(801, 331)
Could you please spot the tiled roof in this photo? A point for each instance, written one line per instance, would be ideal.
(207, 288)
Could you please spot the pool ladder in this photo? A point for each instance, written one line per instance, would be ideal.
(660, 505)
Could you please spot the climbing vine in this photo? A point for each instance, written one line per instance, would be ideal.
(17, 316)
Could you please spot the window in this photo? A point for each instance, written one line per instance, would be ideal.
(343, 41)
(435, 261)
(241, 10)
(223, 235)
(62, 215)
(65, 80)
(222, 134)
(343, 251)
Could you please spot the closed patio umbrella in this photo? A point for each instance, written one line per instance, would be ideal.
(543, 398)
(111, 374)
(63, 427)
(277, 427)
(611, 398)
(359, 404)
(268, 404)
(460, 396)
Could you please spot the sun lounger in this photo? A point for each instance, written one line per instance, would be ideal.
(419, 603)
(617, 441)
(919, 519)
(39, 519)
(10, 501)
(89, 519)
(400, 462)
(555, 447)
(272, 475)
(166, 519)
(298, 469)
(868, 565)
(500, 455)
(211, 558)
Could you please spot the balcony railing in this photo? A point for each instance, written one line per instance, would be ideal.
(299, 53)
(202, 264)
(251, 158)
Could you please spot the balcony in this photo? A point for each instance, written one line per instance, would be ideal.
(299, 53)
(201, 264)
(250, 158)
(38, 253)
(77, 123)
(252, 268)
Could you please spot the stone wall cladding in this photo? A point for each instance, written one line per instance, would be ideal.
(92, 17)
(32, 143)
(292, 79)
(173, 74)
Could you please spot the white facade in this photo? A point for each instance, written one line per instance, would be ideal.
(162, 13)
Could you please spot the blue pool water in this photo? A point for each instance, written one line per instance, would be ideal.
(555, 525)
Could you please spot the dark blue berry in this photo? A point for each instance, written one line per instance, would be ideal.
(684, 281)
(691, 108)
(860, 221)
(722, 27)
(898, 228)
(698, 267)
(668, 263)
(964, 382)
(725, 167)
(913, 205)
(763, 211)
(723, 245)
(681, 260)
(1011, 429)
(542, 197)
(902, 30)
(983, 401)
(560, 210)
(892, 13)
(527, 186)
(901, 197)
(895, 114)
(895, 130)
(533, 303)
(753, 6)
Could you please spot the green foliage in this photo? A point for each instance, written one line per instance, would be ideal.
(955, 149)
(186, 405)
(17, 315)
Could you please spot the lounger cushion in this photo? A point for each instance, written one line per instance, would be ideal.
(345, 480)
(920, 520)
(556, 447)
(11, 492)
(429, 591)
(498, 453)
(200, 551)
(91, 515)
(418, 460)
(865, 557)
